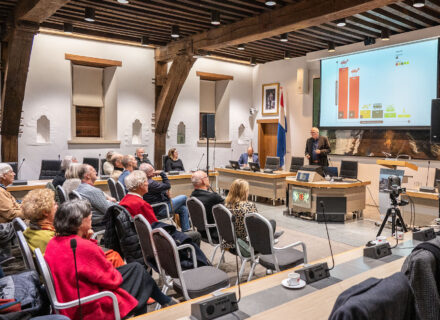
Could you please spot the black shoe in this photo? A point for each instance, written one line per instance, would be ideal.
(278, 234)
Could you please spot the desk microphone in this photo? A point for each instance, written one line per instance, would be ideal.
(73, 246)
(386, 154)
(331, 164)
(321, 204)
(203, 154)
(427, 174)
(19, 167)
(59, 157)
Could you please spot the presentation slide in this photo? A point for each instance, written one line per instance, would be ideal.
(389, 87)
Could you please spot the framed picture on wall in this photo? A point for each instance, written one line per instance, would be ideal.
(270, 99)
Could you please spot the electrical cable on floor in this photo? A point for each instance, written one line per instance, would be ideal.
(371, 196)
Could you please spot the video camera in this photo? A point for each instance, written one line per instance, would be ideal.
(395, 190)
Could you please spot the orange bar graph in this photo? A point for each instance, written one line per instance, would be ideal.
(343, 93)
(354, 98)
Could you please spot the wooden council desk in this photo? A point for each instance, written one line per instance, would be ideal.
(353, 191)
(180, 184)
(269, 185)
(426, 207)
(266, 298)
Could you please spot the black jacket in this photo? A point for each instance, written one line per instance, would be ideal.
(209, 199)
(59, 179)
(323, 145)
(171, 165)
(145, 160)
(121, 236)
(157, 191)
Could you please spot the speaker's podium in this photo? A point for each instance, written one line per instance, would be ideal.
(393, 164)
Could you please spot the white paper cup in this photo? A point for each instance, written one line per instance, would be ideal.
(400, 235)
(294, 279)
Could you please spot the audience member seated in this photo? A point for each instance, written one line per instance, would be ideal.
(107, 167)
(137, 184)
(99, 201)
(117, 166)
(173, 163)
(72, 178)
(140, 157)
(247, 157)
(159, 192)
(9, 209)
(129, 163)
(61, 176)
(200, 181)
(237, 202)
(131, 283)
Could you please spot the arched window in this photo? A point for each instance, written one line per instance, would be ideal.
(181, 133)
(43, 130)
(136, 137)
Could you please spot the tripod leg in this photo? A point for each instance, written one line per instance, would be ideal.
(401, 220)
(393, 223)
(384, 222)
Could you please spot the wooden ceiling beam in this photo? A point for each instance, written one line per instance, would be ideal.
(292, 17)
(37, 11)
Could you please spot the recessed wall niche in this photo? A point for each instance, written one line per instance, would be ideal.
(136, 137)
(43, 130)
(181, 133)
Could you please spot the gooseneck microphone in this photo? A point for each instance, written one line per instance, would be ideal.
(321, 204)
(73, 246)
(203, 154)
(19, 167)
(427, 173)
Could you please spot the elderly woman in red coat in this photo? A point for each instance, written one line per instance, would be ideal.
(131, 283)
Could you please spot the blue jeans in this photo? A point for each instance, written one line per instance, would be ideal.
(179, 206)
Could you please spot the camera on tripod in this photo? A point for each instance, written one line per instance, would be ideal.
(395, 190)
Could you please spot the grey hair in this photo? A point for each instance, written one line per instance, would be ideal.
(83, 170)
(67, 161)
(135, 179)
(196, 178)
(146, 167)
(4, 169)
(72, 171)
(70, 215)
(126, 160)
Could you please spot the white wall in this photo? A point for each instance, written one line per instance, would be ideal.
(187, 110)
(300, 107)
(48, 92)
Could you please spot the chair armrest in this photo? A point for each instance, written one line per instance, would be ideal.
(212, 225)
(295, 244)
(96, 234)
(193, 252)
(96, 296)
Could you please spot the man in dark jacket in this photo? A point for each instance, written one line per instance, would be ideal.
(158, 191)
(142, 157)
(317, 148)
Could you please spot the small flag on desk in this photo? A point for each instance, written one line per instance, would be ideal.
(282, 129)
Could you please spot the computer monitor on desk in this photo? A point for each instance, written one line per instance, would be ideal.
(254, 166)
(234, 164)
(349, 169)
(313, 168)
(272, 163)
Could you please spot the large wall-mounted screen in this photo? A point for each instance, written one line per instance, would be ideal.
(389, 87)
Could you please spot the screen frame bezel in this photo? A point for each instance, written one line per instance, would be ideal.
(360, 127)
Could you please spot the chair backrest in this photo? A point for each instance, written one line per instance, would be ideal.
(167, 253)
(14, 166)
(45, 273)
(296, 163)
(74, 195)
(94, 162)
(102, 166)
(223, 220)
(272, 163)
(145, 234)
(349, 169)
(19, 224)
(61, 194)
(197, 213)
(120, 190)
(260, 233)
(164, 160)
(25, 251)
(112, 187)
(49, 169)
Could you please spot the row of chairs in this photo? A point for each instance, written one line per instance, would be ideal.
(44, 271)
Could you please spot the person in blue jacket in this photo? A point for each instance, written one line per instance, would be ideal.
(247, 157)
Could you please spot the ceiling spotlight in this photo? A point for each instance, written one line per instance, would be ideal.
(240, 47)
(331, 46)
(369, 41)
(67, 27)
(418, 3)
(175, 31)
(287, 55)
(145, 41)
(253, 61)
(89, 14)
(341, 22)
(385, 35)
(270, 3)
(215, 18)
(284, 37)
(123, 1)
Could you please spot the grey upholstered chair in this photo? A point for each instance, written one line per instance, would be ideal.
(45, 273)
(62, 196)
(197, 214)
(120, 190)
(169, 217)
(112, 187)
(25, 251)
(190, 283)
(19, 224)
(145, 234)
(226, 233)
(261, 240)
(74, 195)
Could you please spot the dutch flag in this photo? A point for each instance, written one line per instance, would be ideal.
(282, 129)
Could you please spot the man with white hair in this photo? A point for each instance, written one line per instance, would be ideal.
(317, 148)
(141, 157)
(200, 181)
(9, 209)
(159, 192)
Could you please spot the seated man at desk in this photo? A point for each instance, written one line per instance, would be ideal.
(247, 157)
(141, 157)
(159, 192)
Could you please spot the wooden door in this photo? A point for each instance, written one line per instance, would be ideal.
(267, 139)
